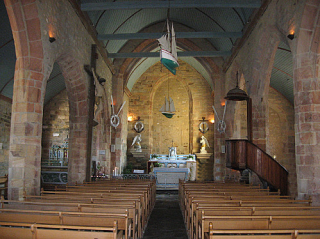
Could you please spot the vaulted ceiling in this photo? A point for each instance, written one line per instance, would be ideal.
(212, 25)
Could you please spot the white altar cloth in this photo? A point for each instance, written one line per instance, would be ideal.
(168, 178)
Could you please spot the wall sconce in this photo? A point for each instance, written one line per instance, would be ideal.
(52, 39)
(212, 121)
(291, 36)
(130, 118)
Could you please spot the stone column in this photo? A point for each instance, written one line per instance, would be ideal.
(27, 104)
(307, 105)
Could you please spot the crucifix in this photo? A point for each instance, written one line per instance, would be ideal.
(91, 96)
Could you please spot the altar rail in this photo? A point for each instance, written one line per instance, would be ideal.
(160, 157)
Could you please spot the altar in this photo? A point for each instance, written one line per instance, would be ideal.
(169, 169)
(168, 178)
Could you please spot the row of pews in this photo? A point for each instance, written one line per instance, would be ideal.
(102, 209)
(231, 210)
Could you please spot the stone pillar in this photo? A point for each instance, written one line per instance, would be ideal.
(27, 104)
(204, 167)
(117, 137)
(307, 105)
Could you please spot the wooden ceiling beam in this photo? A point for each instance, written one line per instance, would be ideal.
(180, 54)
(156, 35)
(98, 6)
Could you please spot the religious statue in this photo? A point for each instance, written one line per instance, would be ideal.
(136, 143)
(172, 152)
(99, 86)
(204, 143)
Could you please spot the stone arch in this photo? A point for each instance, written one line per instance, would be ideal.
(25, 136)
(257, 72)
(158, 83)
(77, 89)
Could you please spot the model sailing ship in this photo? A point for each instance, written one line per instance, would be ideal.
(169, 58)
(168, 52)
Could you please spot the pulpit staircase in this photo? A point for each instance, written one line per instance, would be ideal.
(243, 154)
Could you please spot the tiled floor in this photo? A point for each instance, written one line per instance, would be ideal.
(166, 219)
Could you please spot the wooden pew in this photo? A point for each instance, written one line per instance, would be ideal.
(12, 230)
(100, 197)
(112, 194)
(249, 211)
(78, 207)
(257, 223)
(265, 234)
(4, 186)
(104, 199)
(68, 218)
(216, 202)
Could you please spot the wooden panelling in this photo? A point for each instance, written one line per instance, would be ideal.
(242, 154)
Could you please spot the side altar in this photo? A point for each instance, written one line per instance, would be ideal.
(168, 169)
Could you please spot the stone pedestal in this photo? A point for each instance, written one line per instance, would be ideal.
(204, 166)
(138, 159)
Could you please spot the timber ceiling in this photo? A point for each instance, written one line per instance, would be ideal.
(214, 25)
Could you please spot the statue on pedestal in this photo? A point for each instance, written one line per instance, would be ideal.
(136, 143)
(204, 143)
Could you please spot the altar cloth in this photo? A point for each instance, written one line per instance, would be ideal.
(168, 178)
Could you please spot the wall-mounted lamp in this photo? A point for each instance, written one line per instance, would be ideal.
(51, 39)
(130, 118)
(291, 36)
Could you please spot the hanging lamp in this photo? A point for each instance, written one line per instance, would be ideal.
(236, 94)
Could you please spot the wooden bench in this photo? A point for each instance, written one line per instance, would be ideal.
(111, 199)
(4, 186)
(149, 200)
(249, 211)
(74, 207)
(265, 234)
(12, 230)
(207, 202)
(257, 223)
(68, 218)
(111, 194)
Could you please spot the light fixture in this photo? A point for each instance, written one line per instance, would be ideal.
(130, 118)
(236, 94)
(52, 39)
(291, 36)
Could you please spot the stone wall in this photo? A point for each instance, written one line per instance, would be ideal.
(193, 100)
(55, 120)
(5, 119)
(280, 135)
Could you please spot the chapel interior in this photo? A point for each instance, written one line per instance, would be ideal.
(246, 94)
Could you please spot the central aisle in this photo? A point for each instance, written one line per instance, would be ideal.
(166, 219)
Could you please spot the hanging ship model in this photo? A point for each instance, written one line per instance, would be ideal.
(169, 58)
(168, 51)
